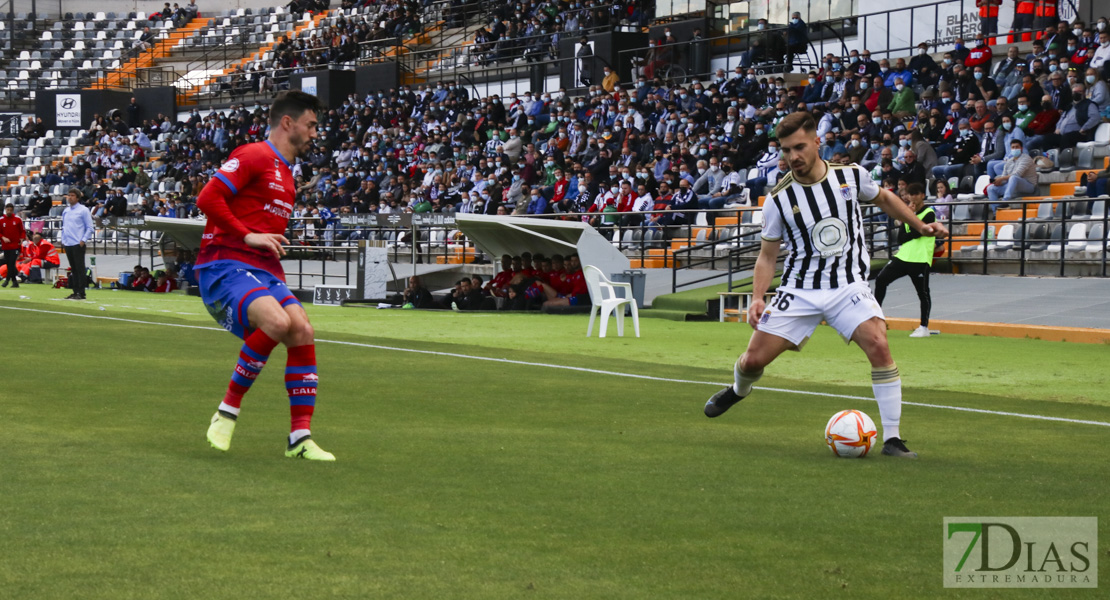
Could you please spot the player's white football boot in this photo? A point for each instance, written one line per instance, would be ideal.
(920, 332)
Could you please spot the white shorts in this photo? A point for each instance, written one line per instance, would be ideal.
(794, 314)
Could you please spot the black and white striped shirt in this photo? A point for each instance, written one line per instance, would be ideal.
(822, 227)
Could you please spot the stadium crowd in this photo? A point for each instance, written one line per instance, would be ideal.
(622, 152)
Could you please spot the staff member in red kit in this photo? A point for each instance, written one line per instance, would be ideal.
(12, 235)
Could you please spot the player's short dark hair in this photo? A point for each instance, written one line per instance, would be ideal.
(294, 103)
(794, 121)
(915, 189)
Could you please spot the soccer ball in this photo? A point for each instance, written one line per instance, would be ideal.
(850, 434)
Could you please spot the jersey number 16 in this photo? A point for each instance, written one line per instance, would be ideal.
(782, 300)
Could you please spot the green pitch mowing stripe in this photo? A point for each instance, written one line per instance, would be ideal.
(472, 479)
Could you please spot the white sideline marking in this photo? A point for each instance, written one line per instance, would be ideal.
(594, 371)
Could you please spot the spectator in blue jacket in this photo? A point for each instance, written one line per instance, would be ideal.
(797, 39)
(537, 205)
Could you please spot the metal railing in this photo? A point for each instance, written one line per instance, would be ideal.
(499, 56)
(484, 81)
(1030, 244)
(262, 84)
(975, 243)
(677, 63)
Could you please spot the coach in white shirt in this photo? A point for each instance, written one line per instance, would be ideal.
(77, 228)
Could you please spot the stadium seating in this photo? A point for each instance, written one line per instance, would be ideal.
(100, 49)
(70, 52)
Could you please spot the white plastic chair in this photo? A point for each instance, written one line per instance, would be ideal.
(1102, 138)
(981, 185)
(603, 295)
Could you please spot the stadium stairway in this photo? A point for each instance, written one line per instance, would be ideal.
(192, 95)
(453, 53)
(148, 58)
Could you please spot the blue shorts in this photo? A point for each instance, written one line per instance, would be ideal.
(228, 287)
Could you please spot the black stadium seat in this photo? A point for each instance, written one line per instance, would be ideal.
(1034, 233)
(978, 211)
(1066, 160)
(1041, 243)
(967, 184)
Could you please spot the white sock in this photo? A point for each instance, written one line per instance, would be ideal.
(297, 434)
(887, 385)
(227, 408)
(743, 382)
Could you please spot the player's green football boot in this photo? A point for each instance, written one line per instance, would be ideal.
(219, 432)
(307, 449)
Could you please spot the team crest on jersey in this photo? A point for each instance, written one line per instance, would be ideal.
(845, 191)
(277, 170)
(230, 166)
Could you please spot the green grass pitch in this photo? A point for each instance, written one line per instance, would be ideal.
(465, 478)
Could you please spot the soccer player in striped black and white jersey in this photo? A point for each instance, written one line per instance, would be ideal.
(815, 211)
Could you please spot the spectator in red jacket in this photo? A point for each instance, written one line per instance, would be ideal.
(143, 282)
(48, 253)
(498, 286)
(574, 292)
(12, 235)
(560, 188)
(979, 54)
(164, 284)
(1045, 121)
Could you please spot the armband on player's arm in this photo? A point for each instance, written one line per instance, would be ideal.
(213, 201)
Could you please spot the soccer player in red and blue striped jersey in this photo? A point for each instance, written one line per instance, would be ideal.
(248, 204)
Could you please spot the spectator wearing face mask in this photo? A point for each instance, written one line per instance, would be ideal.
(1101, 54)
(1076, 125)
(1019, 178)
(1097, 90)
(921, 60)
(813, 93)
(902, 105)
(831, 146)
(967, 145)
(959, 51)
(537, 204)
(797, 39)
(768, 171)
(609, 80)
(877, 95)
